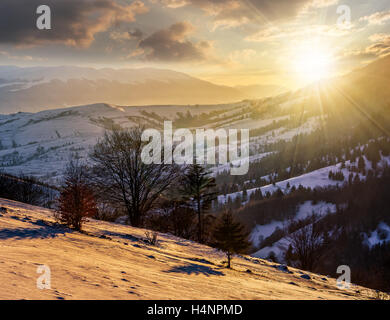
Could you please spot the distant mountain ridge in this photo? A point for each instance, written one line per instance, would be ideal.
(14, 73)
(260, 91)
(38, 88)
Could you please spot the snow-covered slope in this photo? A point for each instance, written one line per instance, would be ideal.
(305, 210)
(279, 247)
(316, 178)
(379, 236)
(40, 144)
(111, 261)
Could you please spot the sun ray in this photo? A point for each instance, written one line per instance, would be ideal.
(362, 111)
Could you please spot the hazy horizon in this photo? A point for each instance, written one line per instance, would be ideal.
(234, 43)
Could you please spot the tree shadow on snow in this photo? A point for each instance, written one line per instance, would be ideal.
(33, 233)
(121, 235)
(196, 269)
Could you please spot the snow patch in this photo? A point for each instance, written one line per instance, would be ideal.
(379, 236)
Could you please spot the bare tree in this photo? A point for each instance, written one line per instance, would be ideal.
(119, 174)
(26, 189)
(175, 217)
(306, 245)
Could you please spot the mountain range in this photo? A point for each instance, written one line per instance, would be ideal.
(38, 88)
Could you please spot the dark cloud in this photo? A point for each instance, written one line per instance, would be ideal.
(235, 12)
(137, 34)
(171, 44)
(74, 22)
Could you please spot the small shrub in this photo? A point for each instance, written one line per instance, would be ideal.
(151, 237)
(76, 201)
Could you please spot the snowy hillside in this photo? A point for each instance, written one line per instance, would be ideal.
(316, 178)
(40, 144)
(279, 247)
(111, 261)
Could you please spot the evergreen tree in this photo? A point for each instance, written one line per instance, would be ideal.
(259, 194)
(356, 180)
(198, 190)
(361, 164)
(350, 178)
(279, 193)
(244, 195)
(230, 237)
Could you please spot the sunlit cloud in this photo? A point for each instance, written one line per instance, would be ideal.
(377, 18)
(323, 3)
(233, 13)
(9, 56)
(379, 48)
(123, 36)
(243, 55)
(282, 32)
(226, 38)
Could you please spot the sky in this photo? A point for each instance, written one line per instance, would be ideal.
(287, 43)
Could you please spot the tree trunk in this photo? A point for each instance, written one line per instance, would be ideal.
(135, 219)
(229, 259)
(199, 222)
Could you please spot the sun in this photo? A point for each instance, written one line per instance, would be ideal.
(312, 63)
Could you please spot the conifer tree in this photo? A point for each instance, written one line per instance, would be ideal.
(361, 164)
(230, 236)
(198, 190)
(244, 195)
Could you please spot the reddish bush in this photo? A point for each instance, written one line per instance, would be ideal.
(76, 201)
